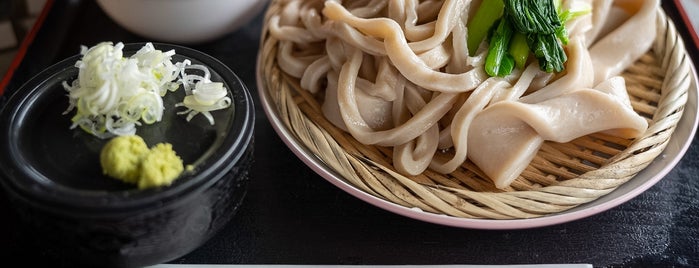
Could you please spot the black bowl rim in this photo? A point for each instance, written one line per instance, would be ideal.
(15, 178)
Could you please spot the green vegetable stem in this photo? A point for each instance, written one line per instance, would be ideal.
(518, 29)
(519, 49)
(539, 21)
(548, 51)
(499, 62)
(485, 17)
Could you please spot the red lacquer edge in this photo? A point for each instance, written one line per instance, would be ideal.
(685, 17)
(22, 50)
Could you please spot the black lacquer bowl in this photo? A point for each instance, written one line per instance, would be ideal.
(76, 214)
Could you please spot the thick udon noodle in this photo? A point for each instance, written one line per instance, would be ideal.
(397, 73)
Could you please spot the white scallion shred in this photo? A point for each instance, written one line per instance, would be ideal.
(114, 94)
(202, 95)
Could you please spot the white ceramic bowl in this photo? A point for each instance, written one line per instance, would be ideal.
(182, 21)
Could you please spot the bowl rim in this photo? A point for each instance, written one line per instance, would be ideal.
(20, 180)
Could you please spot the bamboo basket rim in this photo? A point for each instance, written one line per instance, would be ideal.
(441, 203)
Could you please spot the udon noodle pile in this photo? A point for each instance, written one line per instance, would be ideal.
(397, 73)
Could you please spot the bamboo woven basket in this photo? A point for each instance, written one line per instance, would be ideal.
(561, 177)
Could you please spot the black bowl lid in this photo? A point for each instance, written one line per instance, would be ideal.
(50, 164)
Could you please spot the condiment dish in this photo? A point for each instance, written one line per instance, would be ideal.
(52, 176)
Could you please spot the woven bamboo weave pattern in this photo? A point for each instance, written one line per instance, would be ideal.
(562, 175)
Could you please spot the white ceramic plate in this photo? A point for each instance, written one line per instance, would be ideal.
(676, 148)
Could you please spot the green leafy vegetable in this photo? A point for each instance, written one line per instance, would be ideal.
(567, 15)
(539, 20)
(485, 17)
(499, 62)
(548, 51)
(533, 16)
(518, 29)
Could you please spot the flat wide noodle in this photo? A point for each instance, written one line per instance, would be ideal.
(506, 135)
(397, 73)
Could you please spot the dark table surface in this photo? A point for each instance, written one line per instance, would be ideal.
(293, 216)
